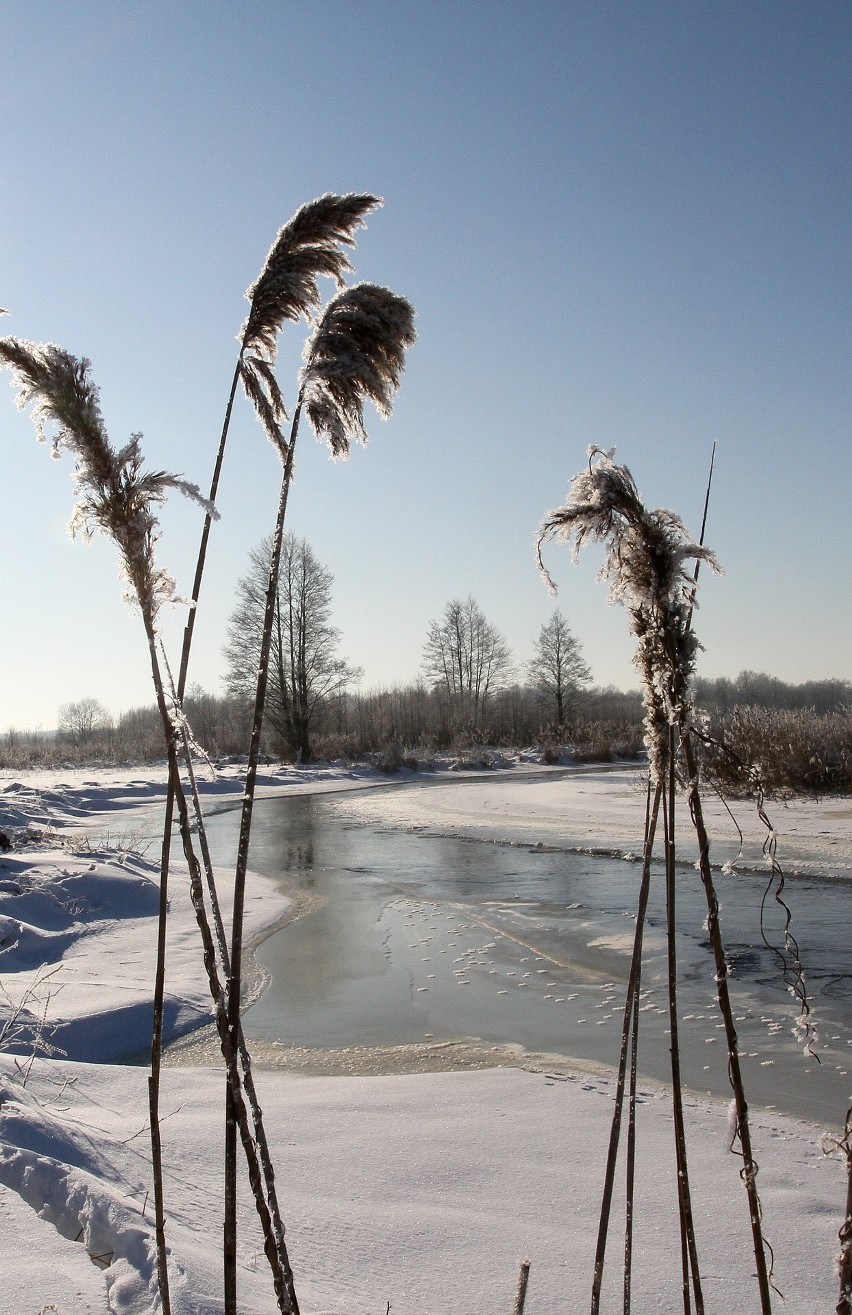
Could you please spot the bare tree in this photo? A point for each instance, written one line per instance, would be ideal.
(305, 671)
(467, 658)
(82, 721)
(557, 670)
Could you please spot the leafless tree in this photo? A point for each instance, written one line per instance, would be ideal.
(305, 670)
(467, 658)
(82, 721)
(557, 670)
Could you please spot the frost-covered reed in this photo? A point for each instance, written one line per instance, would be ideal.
(355, 353)
(115, 494)
(308, 246)
(646, 559)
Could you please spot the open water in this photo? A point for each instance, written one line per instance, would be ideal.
(412, 940)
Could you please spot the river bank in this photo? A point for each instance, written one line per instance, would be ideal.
(396, 1186)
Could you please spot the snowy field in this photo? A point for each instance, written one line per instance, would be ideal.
(423, 1191)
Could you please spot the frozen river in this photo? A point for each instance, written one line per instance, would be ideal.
(404, 940)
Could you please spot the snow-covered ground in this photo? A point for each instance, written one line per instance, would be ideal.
(603, 809)
(423, 1191)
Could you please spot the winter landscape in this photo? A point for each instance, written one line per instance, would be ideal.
(424, 1190)
(422, 944)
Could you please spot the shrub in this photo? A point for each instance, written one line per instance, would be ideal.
(789, 751)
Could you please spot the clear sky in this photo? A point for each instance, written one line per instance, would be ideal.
(621, 223)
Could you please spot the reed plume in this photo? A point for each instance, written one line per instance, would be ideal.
(307, 246)
(645, 562)
(356, 353)
(115, 495)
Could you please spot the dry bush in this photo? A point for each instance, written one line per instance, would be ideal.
(789, 751)
(605, 741)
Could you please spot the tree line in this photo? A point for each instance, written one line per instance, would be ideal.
(469, 693)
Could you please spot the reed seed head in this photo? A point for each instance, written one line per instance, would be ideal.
(356, 353)
(309, 245)
(645, 563)
(115, 494)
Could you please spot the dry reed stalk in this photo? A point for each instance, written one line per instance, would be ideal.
(630, 1170)
(689, 1253)
(645, 558)
(630, 1012)
(749, 1170)
(305, 247)
(630, 1175)
(357, 352)
(521, 1294)
(261, 1140)
(117, 497)
(843, 1144)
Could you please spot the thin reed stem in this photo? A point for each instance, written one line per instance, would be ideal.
(689, 1253)
(632, 992)
(630, 1173)
(521, 1294)
(750, 1167)
(156, 1064)
(168, 822)
(205, 536)
(844, 1258)
(280, 1274)
(631, 1155)
(249, 1088)
(241, 870)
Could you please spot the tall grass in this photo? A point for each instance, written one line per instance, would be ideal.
(355, 353)
(646, 560)
(119, 498)
(306, 247)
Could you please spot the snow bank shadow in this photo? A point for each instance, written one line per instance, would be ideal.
(68, 1179)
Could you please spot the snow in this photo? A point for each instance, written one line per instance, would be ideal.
(423, 1190)
(603, 810)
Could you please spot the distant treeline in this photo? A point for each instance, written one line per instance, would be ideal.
(754, 689)
(791, 737)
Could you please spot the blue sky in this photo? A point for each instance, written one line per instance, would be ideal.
(620, 223)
